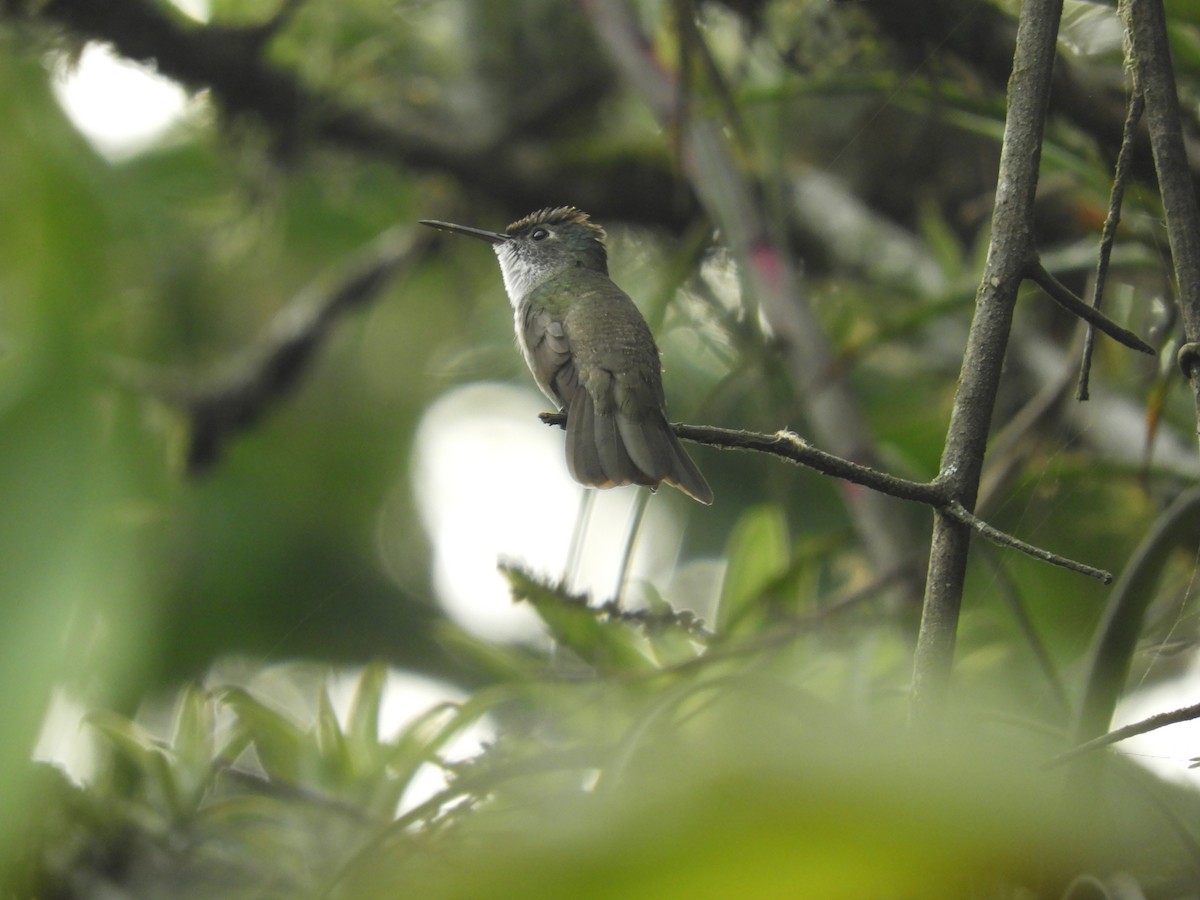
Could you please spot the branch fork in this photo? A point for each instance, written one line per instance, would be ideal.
(792, 447)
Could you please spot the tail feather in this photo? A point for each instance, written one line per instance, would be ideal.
(605, 449)
(648, 443)
(686, 474)
(583, 459)
(614, 455)
(656, 450)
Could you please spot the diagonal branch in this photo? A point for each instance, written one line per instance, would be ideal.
(1065, 297)
(793, 448)
(1153, 723)
(246, 388)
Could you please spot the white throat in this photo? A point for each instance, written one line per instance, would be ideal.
(520, 275)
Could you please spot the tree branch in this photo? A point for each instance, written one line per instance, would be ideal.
(966, 440)
(1153, 723)
(1065, 297)
(230, 63)
(793, 448)
(1133, 117)
(246, 388)
(1150, 55)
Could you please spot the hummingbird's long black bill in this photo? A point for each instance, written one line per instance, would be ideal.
(492, 237)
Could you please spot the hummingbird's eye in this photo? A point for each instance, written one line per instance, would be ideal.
(539, 234)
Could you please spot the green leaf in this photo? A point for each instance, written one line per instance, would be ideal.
(149, 758)
(192, 746)
(280, 743)
(362, 724)
(438, 726)
(497, 662)
(758, 554)
(1179, 11)
(128, 738)
(607, 645)
(331, 743)
(669, 640)
(192, 738)
(415, 745)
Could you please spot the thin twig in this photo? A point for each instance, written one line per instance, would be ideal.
(1121, 177)
(1153, 723)
(959, 513)
(1065, 297)
(790, 446)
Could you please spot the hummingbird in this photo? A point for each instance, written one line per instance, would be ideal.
(590, 351)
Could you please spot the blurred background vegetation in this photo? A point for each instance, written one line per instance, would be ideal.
(222, 585)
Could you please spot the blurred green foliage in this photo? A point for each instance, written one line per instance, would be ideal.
(742, 769)
(763, 754)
